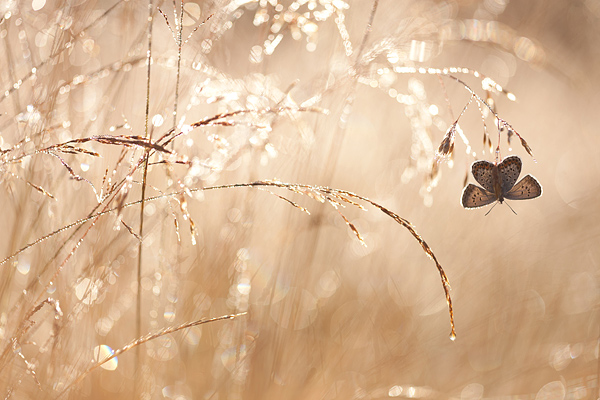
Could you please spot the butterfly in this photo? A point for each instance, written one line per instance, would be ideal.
(498, 181)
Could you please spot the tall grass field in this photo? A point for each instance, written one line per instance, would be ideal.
(263, 199)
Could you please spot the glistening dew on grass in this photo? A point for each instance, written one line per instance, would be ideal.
(256, 199)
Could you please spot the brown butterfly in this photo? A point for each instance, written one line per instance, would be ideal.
(498, 183)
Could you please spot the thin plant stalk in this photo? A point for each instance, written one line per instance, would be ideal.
(147, 135)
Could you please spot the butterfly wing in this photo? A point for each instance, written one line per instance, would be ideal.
(482, 172)
(509, 170)
(474, 197)
(527, 188)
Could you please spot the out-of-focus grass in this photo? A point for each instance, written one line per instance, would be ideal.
(326, 316)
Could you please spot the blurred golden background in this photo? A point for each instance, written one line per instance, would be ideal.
(308, 92)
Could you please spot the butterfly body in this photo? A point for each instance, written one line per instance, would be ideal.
(497, 186)
(499, 182)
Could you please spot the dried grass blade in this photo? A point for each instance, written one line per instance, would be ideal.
(193, 231)
(168, 24)
(347, 200)
(298, 206)
(76, 150)
(138, 141)
(197, 27)
(444, 278)
(353, 228)
(130, 229)
(176, 222)
(41, 190)
(36, 187)
(144, 339)
(72, 172)
(526, 146)
(405, 223)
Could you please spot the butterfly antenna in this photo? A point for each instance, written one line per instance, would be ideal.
(511, 209)
(490, 209)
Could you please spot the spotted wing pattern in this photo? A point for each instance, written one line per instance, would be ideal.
(482, 172)
(527, 188)
(509, 170)
(474, 197)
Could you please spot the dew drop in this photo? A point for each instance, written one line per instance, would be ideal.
(23, 268)
(256, 55)
(158, 120)
(244, 287)
(169, 315)
(395, 391)
(101, 353)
